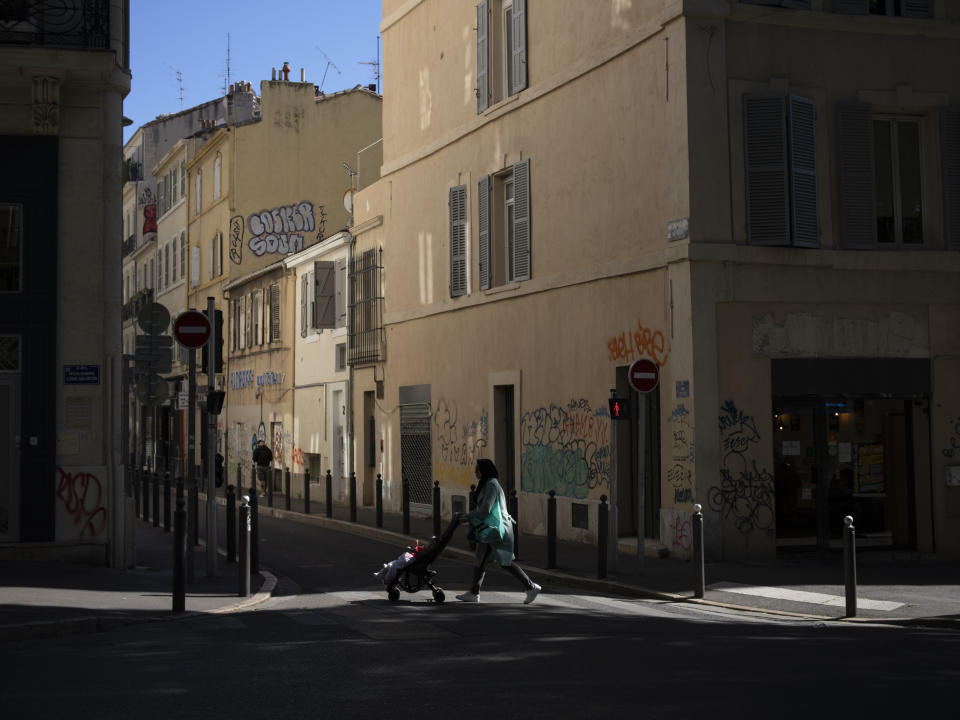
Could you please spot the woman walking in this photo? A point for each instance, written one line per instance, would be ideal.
(493, 532)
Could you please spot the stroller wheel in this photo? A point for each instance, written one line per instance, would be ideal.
(438, 596)
(393, 594)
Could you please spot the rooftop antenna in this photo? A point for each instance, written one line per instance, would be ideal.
(226, 82)
(376, 65)
(179, 76)
(329, 63)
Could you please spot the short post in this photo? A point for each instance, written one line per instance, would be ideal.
(268, 479)
(602, 537)
(329, 489)
(850, 565)
(552, 530)
(231, 524)
(145, 494)
(253, 526)
(156, 499)
(239, 478)
(472, 499)
(306, 491)
(436, 508)
(136, 491)
(514, 509)
(166, 501)
(379, 500)
(244, 566)
(193, 505)
(286, 487)
(405, 505)
(179, 557)
(353, 497)
(698, 560)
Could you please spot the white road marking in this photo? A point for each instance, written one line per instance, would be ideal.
(803, 596)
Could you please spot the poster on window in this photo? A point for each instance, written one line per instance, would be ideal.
(277, 444)
(870, 478)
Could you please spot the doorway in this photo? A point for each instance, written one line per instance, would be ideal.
(504, 441)
(9, 457)
(638, 448)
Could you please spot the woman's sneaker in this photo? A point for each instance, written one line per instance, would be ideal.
(532, 594)
(468, 597)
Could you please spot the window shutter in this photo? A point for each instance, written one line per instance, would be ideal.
(219, 254)
(803, 172)
(521, 220)
(483, 56)
(519, 58)
(918, 8)
(341, 288)
(483, 230)
(303, 306)
(458, 231)
(213, 241)
(325, 295)
(242, 321)
(274, 312)
(250, 338)
(851, 7)
(765, 148)
(950, 146)
(194, 266)
(858, 202)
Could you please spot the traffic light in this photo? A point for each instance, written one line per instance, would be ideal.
(619, 408)
(216, 323)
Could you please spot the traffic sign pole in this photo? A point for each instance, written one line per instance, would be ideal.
(211, 446)
(191, 456)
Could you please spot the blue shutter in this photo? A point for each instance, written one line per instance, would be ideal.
(519, 36)
(851, 7)
(803, 172)
(765, 149)
(917, 8)
(950, 147)
(521, 220)
(458, 240)
(858, 200)
(483, 230)
(483, 56)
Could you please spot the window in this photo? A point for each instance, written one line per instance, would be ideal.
(896, 152)
(340, 358)
(458, 240)
(216, 177)
(503, 207)
(183, 178)
(11, 247)
(781, 170)
(159, 285)
(275, 312)
(242, 322)
(183, 253)
(903, 8)
(196, 196)
(173, 264)
(366, 309)
(501, 50)
(234, 324)
(166, 265)
(194, 266)
(340, 268)
(257, 299)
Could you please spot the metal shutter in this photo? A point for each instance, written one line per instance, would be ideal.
(765, 149)
(483, 56)
(458, 240)
(950, 147)
(917, 8)
(521, 220)
(483, 230)
(858, 206)
(803, 172)
(851, 7)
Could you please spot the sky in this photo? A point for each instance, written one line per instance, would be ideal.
(331, 39)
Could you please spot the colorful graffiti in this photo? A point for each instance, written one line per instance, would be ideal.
(680, 471)
(80, 494)
(642, 342)
(565, 449)
(459, 444)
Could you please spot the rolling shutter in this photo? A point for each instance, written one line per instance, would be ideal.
(858, 211)
(519, 59)
(851, 7)
(325, 296)
(950, 146)
(458, 240)
(765, 148)
(521, 220)
(803, 172)
(483, 56)
(483, 230)
(918, 8)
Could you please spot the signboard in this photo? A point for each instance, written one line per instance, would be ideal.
(192, 329)
(81, 374)
(153, 318)
(643, 375)
(183, 400)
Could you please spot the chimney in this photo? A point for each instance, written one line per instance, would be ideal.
(303, 75)
(286, 71)
(273, 73)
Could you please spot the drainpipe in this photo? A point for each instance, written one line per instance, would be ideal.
(351, 242)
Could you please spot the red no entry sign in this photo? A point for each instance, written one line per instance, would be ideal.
(643, 375)
(191, 329)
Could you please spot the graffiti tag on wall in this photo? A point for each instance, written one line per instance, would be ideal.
(680, 472)
(953, 443)
(81, 511)
(279, 230)
(642, 342)
(459, 444)
(565, 449)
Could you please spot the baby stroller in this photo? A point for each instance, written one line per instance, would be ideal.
(411, 571)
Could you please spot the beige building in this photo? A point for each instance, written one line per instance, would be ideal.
(761, 200)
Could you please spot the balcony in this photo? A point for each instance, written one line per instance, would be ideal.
(77, 24)
(141, 299)
(129, 245)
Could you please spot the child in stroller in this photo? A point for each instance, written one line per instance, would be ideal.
(411, 571)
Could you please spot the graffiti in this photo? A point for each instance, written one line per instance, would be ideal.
(680, 473)
(682, 495)
(298, 457)
(565, 449)
(149, 222)
(745, 493)
(236, 239)
(281, 229)
(681, 532)
(81, 496)
(459, 446)
(954, 440)
(642, 342)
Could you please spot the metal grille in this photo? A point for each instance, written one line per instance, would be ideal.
(57, 23)
(9, 353)
(366, 309)
(416, 461)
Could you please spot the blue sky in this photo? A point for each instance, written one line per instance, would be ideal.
(191, 37)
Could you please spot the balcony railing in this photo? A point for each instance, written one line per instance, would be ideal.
(129, 245)
(140, 300)
(56, 23)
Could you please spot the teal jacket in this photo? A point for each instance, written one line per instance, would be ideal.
(503, 550)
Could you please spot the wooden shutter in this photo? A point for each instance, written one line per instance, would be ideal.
(242, 321)
(858, 202)
(458, 240)
(803, 172)
(274, 312)
(325, 295)
(483, 230)
(519, 35)
(341, 289)
(765, 148)
(917, 8)
(194, 266)
(851, 7)
(250, 338)
(483, 56)
(950, 147)
(521, 220)
(303, 305)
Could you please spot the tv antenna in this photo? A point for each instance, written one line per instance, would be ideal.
(375, 64)
(179, 76)
(329, 64)
(226, 82)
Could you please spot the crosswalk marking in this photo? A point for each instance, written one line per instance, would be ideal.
(802, 596)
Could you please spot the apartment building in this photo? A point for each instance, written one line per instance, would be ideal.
(761, 200)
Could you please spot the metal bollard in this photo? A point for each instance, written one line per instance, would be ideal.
(405, 505)
(602, 538)
(552, 530)
(179, 557)
(244, 567)
(286, 487)
(254, 534)
(166, 501)
(472, 499)
(156, 499)
(353, 496)
(193, 505)
(231, 524)
(514, 510)
(850, 565)
(436, 508)
(136, 491)
(268, 476)
(329, 489)
(698, 560)
(379, 500)
(306, 491)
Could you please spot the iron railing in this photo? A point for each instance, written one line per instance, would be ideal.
(366, 309)
(129, 245)
(81, 24)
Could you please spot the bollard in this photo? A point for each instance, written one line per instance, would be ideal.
(379, 501)
(353, 496)
(552, 530)
(513, 508)
(306, 491)
(268, 474)
(244, 567)
(329, 495)
(850, 565)
(698, 559)
(405, 505)
(193, 505)
(231, 524)
(602, 538)
(179, 557)
(472, 499)
(136, 491)
(156, 499)
(254, 540)
(166, 501)
(286, 487)
(239, 478)
(436, 508)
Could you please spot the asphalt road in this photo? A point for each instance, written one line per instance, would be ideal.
(331, 645)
